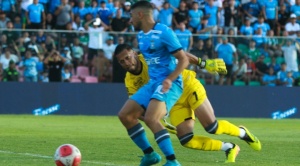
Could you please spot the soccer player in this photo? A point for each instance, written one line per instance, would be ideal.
(160, 47)
(192, 102)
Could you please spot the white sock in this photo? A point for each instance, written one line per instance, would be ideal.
(226, 146)
(242, 133)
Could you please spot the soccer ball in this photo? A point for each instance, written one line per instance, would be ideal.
(67, 155)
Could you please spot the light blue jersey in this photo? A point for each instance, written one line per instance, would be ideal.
(212, 11)
(35, 12)
(270, 7)
(264, 27)
(157, 46)
(246, 30)
(225, 52)
(296, 10)
(30, 67)
(195, 17)
(184, 38)
(165, 16)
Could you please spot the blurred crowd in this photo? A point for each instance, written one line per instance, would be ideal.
(60, 41)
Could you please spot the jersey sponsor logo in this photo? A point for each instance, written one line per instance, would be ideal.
(155, 37)
(138, 82)
(153, 61)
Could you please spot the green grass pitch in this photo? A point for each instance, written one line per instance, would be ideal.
(27, 140)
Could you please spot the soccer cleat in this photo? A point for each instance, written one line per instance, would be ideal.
(232, 153)
(251, 139)
(150, 159)
(172, 163)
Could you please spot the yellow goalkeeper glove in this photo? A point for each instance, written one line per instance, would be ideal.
(171, 129)
(213, 65)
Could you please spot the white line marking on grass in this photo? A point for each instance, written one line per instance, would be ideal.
(49, 157)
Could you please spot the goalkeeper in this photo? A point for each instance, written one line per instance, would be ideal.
(193, 102)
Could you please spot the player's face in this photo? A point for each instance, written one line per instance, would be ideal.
(127, 59)
(135, 19)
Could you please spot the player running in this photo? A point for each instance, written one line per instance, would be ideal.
(192, 102)
(163, 88)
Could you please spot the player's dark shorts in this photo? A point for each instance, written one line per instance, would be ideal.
(92, 53)
(229, 71)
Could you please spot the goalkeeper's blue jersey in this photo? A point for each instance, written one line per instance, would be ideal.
(157, 46)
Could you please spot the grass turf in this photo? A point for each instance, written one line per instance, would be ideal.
(31, 141)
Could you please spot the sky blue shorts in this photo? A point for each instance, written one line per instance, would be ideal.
(152, 90)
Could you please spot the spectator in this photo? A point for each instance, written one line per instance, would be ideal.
(95, 38)
(227, 52)
(102, 67)
(290, 55)
(181, 15)
(209, 49)
(261, 68)
(270, 12)
(29, 66)
(119, 23)
(66, 73)
(55, 63)
(44, 77)
(126, 10)
(45, 4)
(269, 79)
(259, 38)
(50, 22)
(204, 30)
(199, 50)
(289, 82)
(32, 45)
(83, 37)
(252, 10)
(49, 44)
(104, 13)
(166, 14)
(261, 24)
(109, 48)
(292, 27)
(247, 29)
(77, 53)
(41, 37)
(10, 74)
(231, 14)
(155, 12)
(272, 45)
(3, 20)
(185, 37)
(274, 65)
(252, 51)
(35, 16)
(195, 15)
(8, 6)
(11, 35)
(283, 17)
(53, 4)
(121, 40)
(63, 14)
(232, 39)
(239, 71)
(6, 57)
(296, 10)
(81, 10)
(251, 74)
(77, 23)
(94, 8)
(113, 7)
(17, 24)
(67, 55)
(211, 12)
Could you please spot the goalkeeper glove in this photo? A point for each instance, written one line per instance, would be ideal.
(213, 65)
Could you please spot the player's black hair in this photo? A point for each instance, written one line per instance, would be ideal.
(142, 4)
(121, 47)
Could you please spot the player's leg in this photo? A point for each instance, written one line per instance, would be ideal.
(206, 116)
(158, 107)
(183, 118)
(129, 115)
